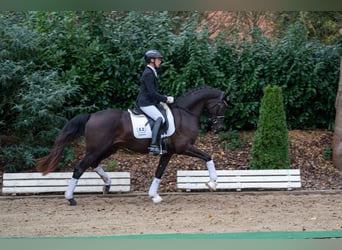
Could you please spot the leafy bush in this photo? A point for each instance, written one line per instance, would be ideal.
(270, 145)
(305, 69)
(34, 105)
(230, 140)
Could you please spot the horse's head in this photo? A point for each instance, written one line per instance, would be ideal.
(206, 98)
(217, 108)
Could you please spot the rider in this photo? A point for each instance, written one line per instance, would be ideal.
(149, 97)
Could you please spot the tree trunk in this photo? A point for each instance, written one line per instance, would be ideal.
(337, 138)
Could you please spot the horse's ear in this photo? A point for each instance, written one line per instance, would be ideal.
(225, 98)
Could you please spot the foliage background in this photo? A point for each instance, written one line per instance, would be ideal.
(55, 65)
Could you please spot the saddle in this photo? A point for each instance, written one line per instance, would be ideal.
(142, 124)
(137, 111)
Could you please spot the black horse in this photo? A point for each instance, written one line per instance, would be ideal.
(108, 130)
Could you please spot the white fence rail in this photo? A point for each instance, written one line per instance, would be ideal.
(241, 179)
(19, 183)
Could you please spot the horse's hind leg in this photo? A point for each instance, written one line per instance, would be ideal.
(100, 171)
(69, 193)
(88, 161)
(105, 177)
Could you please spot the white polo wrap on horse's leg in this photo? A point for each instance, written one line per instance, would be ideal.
(154, 187)
(69, 194)
(212, 171)
(153, 191)
(212, 184)
(104, 176)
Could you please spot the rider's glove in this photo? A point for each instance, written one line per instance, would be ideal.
(170, 99)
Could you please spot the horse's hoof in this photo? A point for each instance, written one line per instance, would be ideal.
(105, 189)
(157, 198)
(211, 185)
(72, 202)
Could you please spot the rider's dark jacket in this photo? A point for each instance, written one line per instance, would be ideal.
(148, 94)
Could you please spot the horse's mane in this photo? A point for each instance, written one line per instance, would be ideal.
(193, 91)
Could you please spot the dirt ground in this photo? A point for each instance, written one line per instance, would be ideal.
(310, 151)
(221, 212)
(317, 206)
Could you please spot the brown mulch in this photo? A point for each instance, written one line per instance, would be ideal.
(309, 151)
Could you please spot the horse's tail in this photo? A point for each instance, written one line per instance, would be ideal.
(72, 130)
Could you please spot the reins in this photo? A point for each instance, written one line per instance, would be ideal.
(182, 108)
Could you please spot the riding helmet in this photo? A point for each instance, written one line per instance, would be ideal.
(152, 54)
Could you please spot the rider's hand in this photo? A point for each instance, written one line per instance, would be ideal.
(170, 99)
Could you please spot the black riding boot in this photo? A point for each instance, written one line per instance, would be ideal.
(155, 148)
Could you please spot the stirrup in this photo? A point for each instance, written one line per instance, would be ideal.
(154, 149)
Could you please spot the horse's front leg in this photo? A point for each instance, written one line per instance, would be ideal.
(105, 177)
(195, 152)
(153, 191)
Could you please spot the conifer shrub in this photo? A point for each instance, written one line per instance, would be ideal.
(270, 144)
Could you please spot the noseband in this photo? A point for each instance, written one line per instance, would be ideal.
(215, 119)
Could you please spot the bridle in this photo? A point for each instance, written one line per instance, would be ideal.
(215, 119)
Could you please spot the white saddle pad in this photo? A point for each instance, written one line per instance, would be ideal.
(142, 129)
